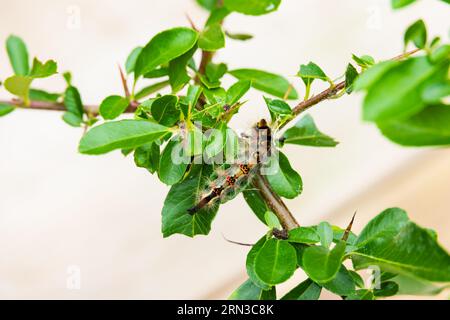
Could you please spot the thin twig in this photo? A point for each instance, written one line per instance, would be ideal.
(55, 106)
(330, 92)
(275, 203)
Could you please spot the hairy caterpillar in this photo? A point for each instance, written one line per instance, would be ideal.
(230, 180)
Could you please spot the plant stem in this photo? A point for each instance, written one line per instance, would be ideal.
(275, 203)
(55, 106)
(331, 91)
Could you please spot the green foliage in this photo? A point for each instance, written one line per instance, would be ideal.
(5, 109)
(416, 33)
(399, 95)
(306, 133)
(310, 72)
(275, 262)
(130, 64)
(181, 197)
(165, 110)
(74, 106)
(249, 291)
(307, 290)
(407, 98)
(18, 55)
(284, 180)
(429, 127)
(121, 134)
(171, 172)
(322, 264)
(164, 47)
(268, 82)
(396, 4)
(398, 245)
(43, 70)
(252, 7)
(112, 107)
(307, 235)
(212, 38)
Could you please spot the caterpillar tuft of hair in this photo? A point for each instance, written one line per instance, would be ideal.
(229, 180)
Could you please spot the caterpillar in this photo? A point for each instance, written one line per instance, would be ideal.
(230, 180)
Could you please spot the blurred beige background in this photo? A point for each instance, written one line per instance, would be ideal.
(62, 212)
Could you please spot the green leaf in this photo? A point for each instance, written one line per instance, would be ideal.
(440, 54)
(325, 232)
(430, 127)
(364, 61)
(193, 94)
(277, 108)
(212, 38)
(147, 156)
(388, 289)
(307, 290)
(237, 91)
(417, 287)
(272, 220)
(18, 55)
(338, 233)
(239, 36)
(399, 94)
(250, 264)
(249, 291)
(113, 106)
(72, 119)
(217, 16)
(164, 47)
(165, 110)
(416, 33)
(307, 235)
(350, 75)
(19, 86)
(214, 72)
(151, 89)
(72, 101)
(207, 4)
(157, 73)
(5, 109)
(306, 133)
(321, 264)
(343, 284)
(216, 141)
(398, 245)
(44, 96)
(386, 225)
(271, 83)
(275, 262)
(396, 4)
(256, 203)
(284, 180)
(171, 169)
(183, 196)
(357, 279)
(67, 77)
(178, 75)
(373, 75)
(436, 93)
(311, 71)
(132, 59)
(121, 134)
(252, 7)
(362, 294)
(43, 70)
